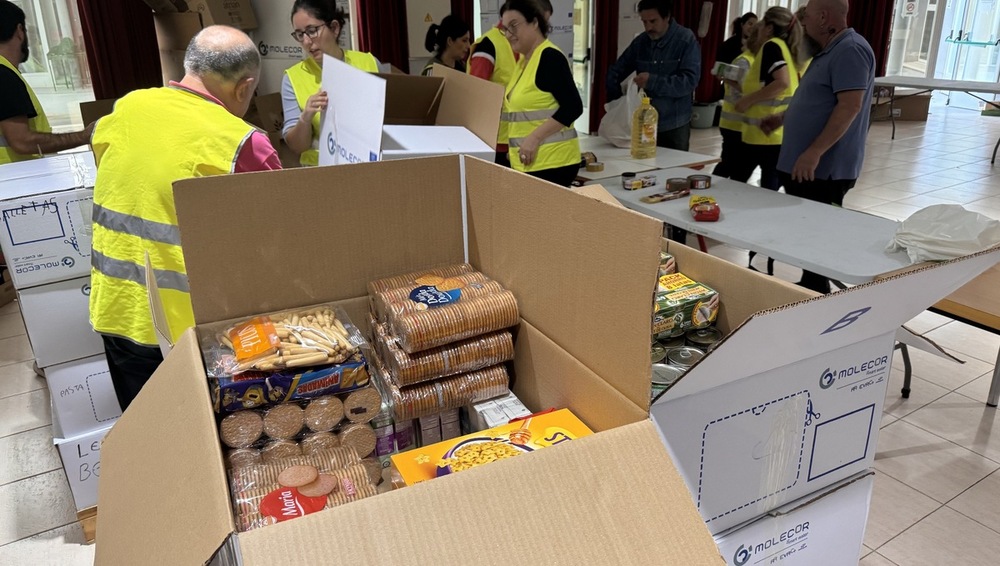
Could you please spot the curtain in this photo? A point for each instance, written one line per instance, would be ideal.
(873, 20)
(382, 31)
(604, 53)
(465, 12)
(121, 46)
(688, 14)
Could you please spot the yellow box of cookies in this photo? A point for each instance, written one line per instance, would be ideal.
(465, 452)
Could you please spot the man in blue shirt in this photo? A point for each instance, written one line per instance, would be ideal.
(667, 63)
(826, 123)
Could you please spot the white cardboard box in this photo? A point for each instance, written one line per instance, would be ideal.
(57, 318)
(81, 457)
(827, 527)
(399, 142)
(751, 432)
(83, 397)
(46, 209)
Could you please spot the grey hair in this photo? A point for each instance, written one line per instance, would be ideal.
(229, 60)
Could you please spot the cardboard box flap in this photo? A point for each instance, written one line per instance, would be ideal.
(920, 342)
(470, 102)
(566, 269)
(268, 115)
(48, 175)
(594, 500)
(597, 192)
(412, 100)
(241, 262)
(786, 335)
(138, 519)
(175, 30)
(96, 109)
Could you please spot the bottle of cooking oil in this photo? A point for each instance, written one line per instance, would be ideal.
(644, 121)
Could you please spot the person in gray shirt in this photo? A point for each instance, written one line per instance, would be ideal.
(826, 123)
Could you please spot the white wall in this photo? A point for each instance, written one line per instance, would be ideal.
(629, 24)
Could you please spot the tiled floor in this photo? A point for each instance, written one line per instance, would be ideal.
(937, 488)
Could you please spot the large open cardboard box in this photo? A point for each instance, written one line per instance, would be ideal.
(583, 271)
(403, 115)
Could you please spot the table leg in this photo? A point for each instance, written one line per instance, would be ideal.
(892, 112)
(994, 396)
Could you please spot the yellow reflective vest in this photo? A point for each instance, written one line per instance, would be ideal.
(306, 77)
(752, 133)
(730, 118)
(503, 69)
(37, 124)
(153, 138)
(526, 107)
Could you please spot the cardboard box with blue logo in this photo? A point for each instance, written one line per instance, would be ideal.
(787, 405)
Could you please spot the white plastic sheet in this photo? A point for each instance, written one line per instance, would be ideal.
(944, 231)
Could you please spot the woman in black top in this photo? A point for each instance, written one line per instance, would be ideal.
(450, 42)
(731, 48)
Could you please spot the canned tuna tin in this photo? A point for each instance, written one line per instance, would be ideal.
(658, 352)
(663, 377)
(700, 181)
(629, 182)
(678, 184)
(673, 343)
(684, 357)
(703, 338)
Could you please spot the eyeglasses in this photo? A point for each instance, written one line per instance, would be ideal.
(510, 29)
(312, 32)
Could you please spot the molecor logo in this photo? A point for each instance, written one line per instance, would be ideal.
(68, 261)
(826, 380)
(85, 289)
(262, 47)
(742, 556)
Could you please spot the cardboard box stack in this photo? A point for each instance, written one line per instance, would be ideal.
(785, 406)
(47, 207)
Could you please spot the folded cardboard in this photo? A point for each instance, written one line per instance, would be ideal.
(358, 133)
(826, 527)
(83, 397)
(96, 109)
(57, 318)
(426, 141)
(46, 206)
(81, 457)
(582, 343)
(174, 31)
(235, 13)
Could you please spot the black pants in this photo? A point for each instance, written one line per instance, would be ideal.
(829, 191)
(677, 138)
(559, 175)
(731, 164)
(130, 365)
(502, 159)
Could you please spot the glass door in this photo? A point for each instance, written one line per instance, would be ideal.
(969, 50)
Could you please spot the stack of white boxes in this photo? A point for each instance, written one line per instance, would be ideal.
(46, 207)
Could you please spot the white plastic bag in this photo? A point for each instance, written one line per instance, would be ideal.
(944, 231)
(616, 126)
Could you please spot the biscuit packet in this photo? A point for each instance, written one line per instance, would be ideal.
(281, 490)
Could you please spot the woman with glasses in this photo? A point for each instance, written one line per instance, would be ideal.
(449, 42)
(317, 24)
(541, 101)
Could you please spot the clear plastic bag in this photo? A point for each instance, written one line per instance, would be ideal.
(267, 493)
(616, 126)
(451, 359)
(423, 330)
(448, 393)
(944, 231)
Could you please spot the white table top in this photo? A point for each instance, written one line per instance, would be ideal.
(842, 244)
(938, 84)
(618, 160)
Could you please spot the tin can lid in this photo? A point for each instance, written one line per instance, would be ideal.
(685, 356)
(706, 336)
(658, 352)
(673, 342)
(677, 180)
(628, 175)
(665, 375)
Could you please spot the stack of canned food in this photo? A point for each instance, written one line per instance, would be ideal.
(684, 311)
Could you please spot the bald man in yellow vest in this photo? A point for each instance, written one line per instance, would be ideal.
(191, 128)
(24, 129)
